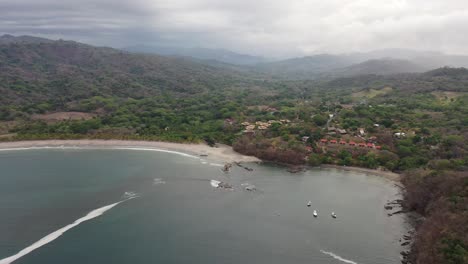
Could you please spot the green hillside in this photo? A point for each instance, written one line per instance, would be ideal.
(413, 123)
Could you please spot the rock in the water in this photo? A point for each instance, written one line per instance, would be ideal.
(295, 169)
(219, 184)
(224, 185)
(242, 166)
(251, 188)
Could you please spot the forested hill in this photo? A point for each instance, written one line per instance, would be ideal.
(412, 123)
(33, 71)
(443, 79)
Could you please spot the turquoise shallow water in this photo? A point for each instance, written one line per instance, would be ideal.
(181, 218)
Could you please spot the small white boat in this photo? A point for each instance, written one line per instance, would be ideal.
(333, 215)
(315, 213)
(309, 204)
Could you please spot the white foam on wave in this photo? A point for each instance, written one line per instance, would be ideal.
(39, 148)
(216, 165)
(213, 183)
(30, 148)
(118, 148)
(158, 181)
(54, 235)
(158, 150)
(130, 195)
(333, 255)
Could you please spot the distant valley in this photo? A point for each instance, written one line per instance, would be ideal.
(379, 62)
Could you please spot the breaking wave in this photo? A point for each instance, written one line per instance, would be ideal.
(213, 183)
(118, 148)
(36, 148)
(216, 164)
(158, 150)
(333, 255)
(54, 235)
(158, 181)
(130, 195)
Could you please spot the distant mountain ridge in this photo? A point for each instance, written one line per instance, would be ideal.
(220, 55)
(328, 66)
(9, 39)
(33, 70)
(381, 62)
(385, 66)
(309, 67)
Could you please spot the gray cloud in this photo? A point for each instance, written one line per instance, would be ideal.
(271, 28)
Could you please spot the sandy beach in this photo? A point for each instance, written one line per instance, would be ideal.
(220, 153)
(395, 177)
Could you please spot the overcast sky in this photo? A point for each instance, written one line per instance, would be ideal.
(261, 27)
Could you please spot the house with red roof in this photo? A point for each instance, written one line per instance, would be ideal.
(333, 141)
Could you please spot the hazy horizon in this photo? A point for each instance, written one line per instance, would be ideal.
(273, 29)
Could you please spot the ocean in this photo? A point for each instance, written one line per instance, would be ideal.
(124, 205)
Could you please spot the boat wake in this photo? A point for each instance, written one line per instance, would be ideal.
(54, 235)
(333, 255)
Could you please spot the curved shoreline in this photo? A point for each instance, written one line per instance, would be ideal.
(392, 176)
(221, 153)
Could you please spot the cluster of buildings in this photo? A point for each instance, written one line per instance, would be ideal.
(260, 125)
(351, 143)
(333, 131)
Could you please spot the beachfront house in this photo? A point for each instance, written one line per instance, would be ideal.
(362, 132)
(400, 134)
(342, 131)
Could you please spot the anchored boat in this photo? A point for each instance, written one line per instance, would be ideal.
(315, 213)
